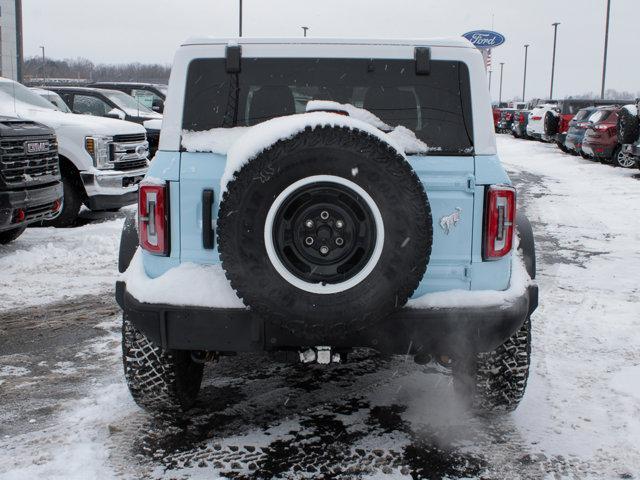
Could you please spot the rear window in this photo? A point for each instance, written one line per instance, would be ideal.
(582, 115)
(437, 107)
(600, 116)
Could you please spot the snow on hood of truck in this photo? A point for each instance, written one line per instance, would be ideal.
(57, 119)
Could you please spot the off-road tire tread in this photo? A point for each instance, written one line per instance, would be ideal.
(628, 127)
(159, 380)
(496, 381)
(551, 123)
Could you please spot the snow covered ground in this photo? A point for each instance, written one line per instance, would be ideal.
(65, 412)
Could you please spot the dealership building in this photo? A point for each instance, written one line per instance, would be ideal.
(10, 38)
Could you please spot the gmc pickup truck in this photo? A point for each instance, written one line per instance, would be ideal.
(30, 188)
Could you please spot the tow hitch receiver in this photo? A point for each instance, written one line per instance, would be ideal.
(320, 355)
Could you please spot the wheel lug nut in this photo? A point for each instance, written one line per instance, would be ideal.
(339, 224)
(308, 241)
(308, 223)
(324, 250)
(324, 215)
(339, 241)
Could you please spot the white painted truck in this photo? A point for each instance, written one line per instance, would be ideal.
(102, 160)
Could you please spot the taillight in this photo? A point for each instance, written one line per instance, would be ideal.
(153, 218)
(604, 128)
(536, 118)
(499, 220)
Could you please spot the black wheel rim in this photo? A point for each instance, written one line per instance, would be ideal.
(324, 233)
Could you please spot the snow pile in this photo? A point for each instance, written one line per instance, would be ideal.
(632, 109)
(216, 140)
(186, 284)
(241, 144)
(266, 134)
(478, 298)
(354, 112)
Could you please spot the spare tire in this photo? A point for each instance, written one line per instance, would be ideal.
(325, 233)
(628, 127)
(551, 123)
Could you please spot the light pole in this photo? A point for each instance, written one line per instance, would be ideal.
(524, 81)
(553, 61)
(501, 70)
(240, 20)
(19, 45)
(44, 77)
(606, 47)
(304, 30)
(490, 72)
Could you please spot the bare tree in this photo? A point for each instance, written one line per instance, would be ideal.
(83, 70)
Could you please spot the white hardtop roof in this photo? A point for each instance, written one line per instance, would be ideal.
(454, 42)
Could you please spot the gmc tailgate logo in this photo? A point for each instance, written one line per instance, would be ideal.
(36, 147)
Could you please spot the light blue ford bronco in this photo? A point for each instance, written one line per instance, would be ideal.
(310, 197)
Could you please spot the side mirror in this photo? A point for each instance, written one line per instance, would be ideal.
(117, 114)
(157, 106)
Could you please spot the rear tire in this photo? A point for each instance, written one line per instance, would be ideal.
(158, 380)
(71, 203)
(128, 242)
(10, 235)
(495, 382)
(551, 124)
(621, 159)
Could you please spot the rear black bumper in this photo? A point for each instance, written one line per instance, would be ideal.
(36, 203)
(446, 330)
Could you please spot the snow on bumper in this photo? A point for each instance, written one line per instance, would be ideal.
(199, 319)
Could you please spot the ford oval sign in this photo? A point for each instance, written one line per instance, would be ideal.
(485, 38)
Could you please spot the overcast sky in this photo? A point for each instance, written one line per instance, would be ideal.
(117, 31)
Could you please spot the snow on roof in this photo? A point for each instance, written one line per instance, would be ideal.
(457, 42)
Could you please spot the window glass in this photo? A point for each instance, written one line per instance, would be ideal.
(599, 116)
(23, 94)
(145, 97)
(583, 114)
(436, 107)
(88, 105)
(128, 103)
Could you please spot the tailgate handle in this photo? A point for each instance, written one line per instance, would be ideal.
(207, 220)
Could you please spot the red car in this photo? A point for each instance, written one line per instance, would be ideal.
(601, 138)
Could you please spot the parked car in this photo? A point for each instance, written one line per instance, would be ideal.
(102, 160)
(52, 97)
(601, 138)
(536, 121)
(519, 125)
(556, 127)
(112, 104)
(629, 131)
(30, 186)
(505, 122)
(151, 95)
(519, 105)
(326, 254)
(577, 128)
